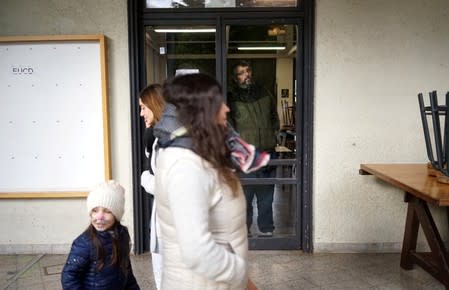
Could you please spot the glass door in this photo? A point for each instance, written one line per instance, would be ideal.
(169, 50)
(262, 93)
(257, 65)
(180, 49)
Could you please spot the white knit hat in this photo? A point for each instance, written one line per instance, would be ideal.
(110, 195)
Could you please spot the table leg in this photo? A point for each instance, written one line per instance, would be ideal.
(410, 234)
(435, 262)
(439, 265)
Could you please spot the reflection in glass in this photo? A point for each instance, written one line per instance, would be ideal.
(261, 61)
(219, 3)
(271, 52)
(285, 211)
(168, 52)
(283, 204)
(266, 3)
(174, 50)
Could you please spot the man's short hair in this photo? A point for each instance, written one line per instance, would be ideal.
(243, 63)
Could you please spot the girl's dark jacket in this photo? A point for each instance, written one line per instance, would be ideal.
(79, 271)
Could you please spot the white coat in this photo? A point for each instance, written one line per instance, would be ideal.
(147, 182)
(203, 225)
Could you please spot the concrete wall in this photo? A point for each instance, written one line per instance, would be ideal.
(372, 59)
(50, 225)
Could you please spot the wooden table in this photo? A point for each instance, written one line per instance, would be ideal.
(420, 190)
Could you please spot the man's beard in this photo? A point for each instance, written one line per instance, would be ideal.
(246, 83)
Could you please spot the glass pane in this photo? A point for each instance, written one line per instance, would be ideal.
(284, 203)
(174, 50)
(219, 3)
(261, 61)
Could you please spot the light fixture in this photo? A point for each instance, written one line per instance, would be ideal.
(276, 30)
(261, 48)
(185, 30)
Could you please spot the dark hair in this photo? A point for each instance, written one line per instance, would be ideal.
(243, 63)
(151, 97)
(198, 98)
(120, 249)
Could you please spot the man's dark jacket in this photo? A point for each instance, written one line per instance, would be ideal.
(254, 115)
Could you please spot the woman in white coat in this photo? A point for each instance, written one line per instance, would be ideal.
(151, 106)
(201, 206)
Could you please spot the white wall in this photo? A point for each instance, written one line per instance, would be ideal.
(50, 225)
(372, 59)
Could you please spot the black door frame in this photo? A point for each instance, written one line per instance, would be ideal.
(139, 17)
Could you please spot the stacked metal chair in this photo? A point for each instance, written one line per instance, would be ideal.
(437, 143)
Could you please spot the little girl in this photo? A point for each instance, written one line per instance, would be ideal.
(99, 257)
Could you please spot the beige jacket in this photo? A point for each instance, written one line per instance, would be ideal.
(203, 226)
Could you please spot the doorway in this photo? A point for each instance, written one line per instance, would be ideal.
(274, 50)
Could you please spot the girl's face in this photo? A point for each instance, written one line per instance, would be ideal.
(222, 117)
(101, 218)
(146, 113)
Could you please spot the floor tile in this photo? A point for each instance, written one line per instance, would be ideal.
(270, 270)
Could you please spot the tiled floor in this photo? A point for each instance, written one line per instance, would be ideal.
(269, 270)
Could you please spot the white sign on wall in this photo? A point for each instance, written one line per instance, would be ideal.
(53, 116)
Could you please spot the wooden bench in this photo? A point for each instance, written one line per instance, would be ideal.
(420, 190)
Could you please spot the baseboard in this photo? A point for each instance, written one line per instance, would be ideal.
(366, 247)
(52, 249)
(33, 249)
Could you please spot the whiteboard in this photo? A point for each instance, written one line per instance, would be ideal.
(53, 116)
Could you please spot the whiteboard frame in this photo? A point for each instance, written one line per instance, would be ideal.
(101, 39)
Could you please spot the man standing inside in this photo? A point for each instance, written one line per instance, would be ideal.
(254, 116)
